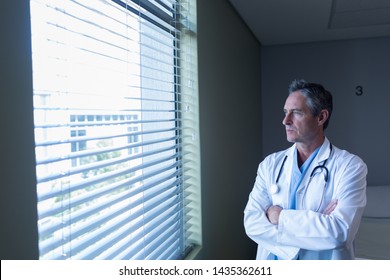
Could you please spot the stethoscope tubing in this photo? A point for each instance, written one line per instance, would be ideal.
(275, 187)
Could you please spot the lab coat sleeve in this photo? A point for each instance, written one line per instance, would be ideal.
(316, 231)
(256, 223)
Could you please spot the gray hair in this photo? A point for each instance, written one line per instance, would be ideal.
(317, 97)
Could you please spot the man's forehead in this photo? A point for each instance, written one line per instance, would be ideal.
(296, 100)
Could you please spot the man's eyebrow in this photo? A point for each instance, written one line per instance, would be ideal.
(293, 110)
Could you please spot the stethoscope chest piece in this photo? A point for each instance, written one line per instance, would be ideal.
(274, 189)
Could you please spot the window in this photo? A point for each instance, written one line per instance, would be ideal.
(116, 128)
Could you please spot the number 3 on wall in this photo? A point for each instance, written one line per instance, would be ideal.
(359, 90)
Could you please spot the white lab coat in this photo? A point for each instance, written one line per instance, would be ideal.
(304, 232)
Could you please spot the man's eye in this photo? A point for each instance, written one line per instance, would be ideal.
(298, 113)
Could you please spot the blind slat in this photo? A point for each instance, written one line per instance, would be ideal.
(102, 164)
(79, 139)
(103, 231)
(108, 202)
(168, 233)
(103, 178)
(135, 234)
(83, 124)
(98, 151)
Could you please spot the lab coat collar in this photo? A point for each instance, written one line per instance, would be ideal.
(323, 153)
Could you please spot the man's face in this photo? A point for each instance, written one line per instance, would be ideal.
(301, 126)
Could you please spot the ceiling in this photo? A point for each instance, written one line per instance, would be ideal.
(276, 22)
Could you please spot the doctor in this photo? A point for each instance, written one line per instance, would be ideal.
(308, 200)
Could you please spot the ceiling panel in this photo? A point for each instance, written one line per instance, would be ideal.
(277, 22)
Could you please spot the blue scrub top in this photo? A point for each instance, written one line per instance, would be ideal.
(298, 174)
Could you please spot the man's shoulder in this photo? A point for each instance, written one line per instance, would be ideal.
(347, 157)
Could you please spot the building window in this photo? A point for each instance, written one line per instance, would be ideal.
(115, 113)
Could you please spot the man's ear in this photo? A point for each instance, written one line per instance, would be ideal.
(323, 117)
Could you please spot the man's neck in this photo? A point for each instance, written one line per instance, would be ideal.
(305, 150)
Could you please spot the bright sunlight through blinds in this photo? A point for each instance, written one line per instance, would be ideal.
(116, 129)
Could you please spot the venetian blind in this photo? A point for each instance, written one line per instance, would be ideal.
(116, 130)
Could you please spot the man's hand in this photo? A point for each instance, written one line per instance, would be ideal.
(273, 214)
(331, 206)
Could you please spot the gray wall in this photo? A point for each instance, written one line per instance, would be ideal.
(230, 127)
(359, 124)
(18, 228)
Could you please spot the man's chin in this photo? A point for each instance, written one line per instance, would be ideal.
(291, 140)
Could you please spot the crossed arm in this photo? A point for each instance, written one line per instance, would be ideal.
(273, 212)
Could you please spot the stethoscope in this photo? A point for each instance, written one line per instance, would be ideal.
(274, 189)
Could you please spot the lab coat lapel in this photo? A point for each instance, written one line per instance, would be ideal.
(285, 180)
(281, 197)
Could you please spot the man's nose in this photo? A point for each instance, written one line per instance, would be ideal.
(287, 119)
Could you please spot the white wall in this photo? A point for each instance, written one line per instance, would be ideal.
(359, 124)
